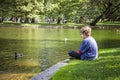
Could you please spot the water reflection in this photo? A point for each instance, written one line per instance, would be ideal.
(107, 27)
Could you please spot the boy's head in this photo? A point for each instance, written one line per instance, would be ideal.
(85, 31)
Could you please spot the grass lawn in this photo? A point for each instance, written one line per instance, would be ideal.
(115, 23)
(8, 23)
(69, 24)
(106, 67)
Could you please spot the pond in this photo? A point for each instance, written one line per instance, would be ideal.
(43, 47)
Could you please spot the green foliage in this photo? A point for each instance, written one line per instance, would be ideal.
(114, 9)
(81, 11)
(18, 8)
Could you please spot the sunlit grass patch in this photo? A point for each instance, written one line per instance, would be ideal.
(106, 67)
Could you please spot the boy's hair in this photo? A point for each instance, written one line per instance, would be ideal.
(86, 30)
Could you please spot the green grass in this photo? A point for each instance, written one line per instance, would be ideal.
(69, 24)
(106, 67)
(9, 23)
(115, 23)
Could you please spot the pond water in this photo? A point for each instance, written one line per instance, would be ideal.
(43, 47)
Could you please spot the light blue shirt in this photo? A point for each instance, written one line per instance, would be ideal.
(89, 49)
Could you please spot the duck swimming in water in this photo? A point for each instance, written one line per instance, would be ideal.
(17, 55)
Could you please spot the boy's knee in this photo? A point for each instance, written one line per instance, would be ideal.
(69, 52)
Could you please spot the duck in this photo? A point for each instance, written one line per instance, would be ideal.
(18, 55)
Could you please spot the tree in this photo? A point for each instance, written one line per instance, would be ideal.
(65, 9)
(25, 9)
(30, 9)
(81, 11)
(107, 9)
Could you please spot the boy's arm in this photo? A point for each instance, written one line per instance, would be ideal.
(83, 48)
(79, 52)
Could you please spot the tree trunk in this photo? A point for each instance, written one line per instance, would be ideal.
(58, 20)
(111, 15)
(26, 20)
(96, 20)
(33, 20)
(21, 20)
(11, 19)
(2, 19)
(104, 14)
(16, 19)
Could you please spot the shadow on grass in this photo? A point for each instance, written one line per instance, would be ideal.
(105, 44)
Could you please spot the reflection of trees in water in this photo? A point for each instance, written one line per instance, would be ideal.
(44, 59)
(109, 44)
(51, 53)
(107, 27)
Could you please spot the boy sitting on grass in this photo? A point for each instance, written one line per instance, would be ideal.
(88, 49)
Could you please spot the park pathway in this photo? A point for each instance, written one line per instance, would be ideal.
(46, 75)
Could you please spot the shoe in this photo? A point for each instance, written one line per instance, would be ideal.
(66, 61)
(71, 58)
